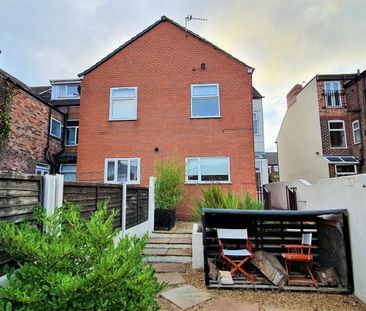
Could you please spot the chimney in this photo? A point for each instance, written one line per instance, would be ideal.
(291, 96)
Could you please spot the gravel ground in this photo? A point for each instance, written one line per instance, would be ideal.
(286, 300)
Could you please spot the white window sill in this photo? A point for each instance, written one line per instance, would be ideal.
(209, 117)
(339, 147)
(71, 145)
(123, 119)
(333, 107)
(121, 183)
(63, 98)
(207, 182)
(54, 136)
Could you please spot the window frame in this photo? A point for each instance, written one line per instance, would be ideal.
(68, 164)
(218, 100)
(348, 173)
(333, 98)
(337, 130)
(199, 181)
(76, 135)
(128, 182)
(353, 131)
(51, 127)
(59, 97)
(43, 168)
(111, 100)
(255, 113)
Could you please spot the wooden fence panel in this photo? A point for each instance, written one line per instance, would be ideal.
(137, 206)
(19, 193)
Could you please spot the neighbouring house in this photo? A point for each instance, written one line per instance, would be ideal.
(34, 139)
(166, 92)
(261, 163)
(64, 95)
(273, 168)
(320, 133)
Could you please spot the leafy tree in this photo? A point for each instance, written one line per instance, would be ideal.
(76, 264)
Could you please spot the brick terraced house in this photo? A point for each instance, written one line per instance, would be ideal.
(167, 91)
(320, 135)
(36, 129)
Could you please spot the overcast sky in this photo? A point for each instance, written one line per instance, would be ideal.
(288, 42)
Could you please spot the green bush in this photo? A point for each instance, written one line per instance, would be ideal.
(168, 184)
(75, 265)
(215, 197)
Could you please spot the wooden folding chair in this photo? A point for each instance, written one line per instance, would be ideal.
(229, 254)
(299, 253)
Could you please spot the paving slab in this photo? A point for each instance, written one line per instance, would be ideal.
(172, 278)
(155, 251)
(186, 296)
(169, 267)
(179, 252)
(231, 305)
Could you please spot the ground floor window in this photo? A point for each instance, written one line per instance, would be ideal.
(122, 170)
(342, 170)
(207, 169)
(42, 168)
(69, 171)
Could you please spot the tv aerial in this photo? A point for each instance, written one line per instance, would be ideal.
(189, 18)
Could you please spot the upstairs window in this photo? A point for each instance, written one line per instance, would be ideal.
(356, 132)
(255, 123)
(55, 129)
(67, 91)
(332, 94)
(207, 170)
(337, 134)
(72, 133)
(123, 103)
(122, 170)
(205, 101)
(69, 171)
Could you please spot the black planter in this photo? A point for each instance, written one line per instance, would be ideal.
(164, 219)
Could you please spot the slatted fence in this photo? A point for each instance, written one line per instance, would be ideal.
(137, 206)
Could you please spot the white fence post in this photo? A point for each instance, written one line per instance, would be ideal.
(124, 209)
(151, 213)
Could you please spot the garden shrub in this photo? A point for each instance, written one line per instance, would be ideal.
(215, 197)
(169, 184)
(75, 264)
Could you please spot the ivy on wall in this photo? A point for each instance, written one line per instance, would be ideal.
(7, 92)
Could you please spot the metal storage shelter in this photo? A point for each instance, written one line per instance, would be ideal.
(270, 228)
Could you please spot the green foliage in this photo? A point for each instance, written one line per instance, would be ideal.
(215, 197)
(7, 91)
(169, 184)
(75, 265)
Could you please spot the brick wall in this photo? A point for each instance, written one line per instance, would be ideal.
(163, 64)
(29, 135)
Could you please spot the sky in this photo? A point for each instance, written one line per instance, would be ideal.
(287, 42)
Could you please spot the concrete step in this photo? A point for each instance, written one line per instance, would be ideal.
(168, 245)
(170, 241)
(168, 259)
(168, 252)
(168, 235)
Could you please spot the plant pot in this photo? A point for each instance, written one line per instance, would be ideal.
(164, 219)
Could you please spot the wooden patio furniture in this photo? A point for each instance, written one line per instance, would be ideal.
(233, 256)
(299, 253)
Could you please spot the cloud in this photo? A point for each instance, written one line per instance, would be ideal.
(286, 41)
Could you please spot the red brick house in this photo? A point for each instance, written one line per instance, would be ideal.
(167, 91)
(36, 130)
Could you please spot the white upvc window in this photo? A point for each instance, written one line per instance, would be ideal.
(123, 103)
(42, 168)
(337, 134)
(205, 101)
(356, 132)
(67, 91)
(69, 171)
(207, 170)
(56, 128)
(255, 123)
(122, 170)
(72, 135)
(342, 170)
(332, 93)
